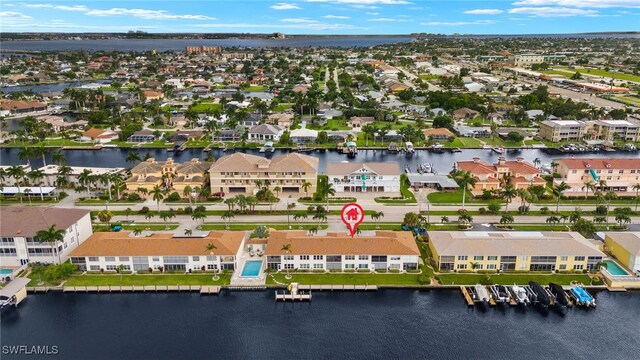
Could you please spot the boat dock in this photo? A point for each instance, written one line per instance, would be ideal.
(14, 292)
(294, 294)
(203, 290)
(339, 287)
(471, 298)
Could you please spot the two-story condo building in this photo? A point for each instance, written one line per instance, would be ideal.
(625, 246)
(519, 173)
(562, 130)
(52, 173)
(610, 130)
(386, 250)
(619, 174)
(240, 173)
(159, 252)
(175, 176)
(364, 177)
(20, 224)
(512, 251)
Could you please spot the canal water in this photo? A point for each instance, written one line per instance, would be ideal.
(442, 162)
(387, 324)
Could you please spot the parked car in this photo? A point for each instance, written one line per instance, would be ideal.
(218, 194)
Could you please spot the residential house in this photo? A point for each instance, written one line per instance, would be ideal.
(58, 124)
(265, 132)
(610, 130)
(168, 174)
(357, 122)
(473, 131)
(619, 174)
(99, 136)
(160, 252)
(519, 173)
(364, 177)
(512, 251)
(144, 135)
(10, 107)
(384, 250)
(562, 130)
(625, 247)
(252, 119)
(464, 113)
(283, 120)
(52, 172)
(303, 136)
(20, 224)
(438, 134)
(150, 95)
(238, 173)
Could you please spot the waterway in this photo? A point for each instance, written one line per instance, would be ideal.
(442, 162)
(387, 324)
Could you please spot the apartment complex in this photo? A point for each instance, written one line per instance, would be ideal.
(169, 174)
(618, 174)
(386, 250)
(530, 59)
(241, 173)
(20, 224)
(159, 252)
(512, 251)
(52, 172)
(610, 130)
(519, 173)
(625, 247)
(364, 177)
(562, 130)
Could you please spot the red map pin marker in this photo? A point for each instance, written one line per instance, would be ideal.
(352, 215)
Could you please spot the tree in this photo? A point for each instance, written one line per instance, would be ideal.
(305, 186)
(17, 173)
(105, 216)
(35, 177)
(290, 207)
(286, 248)
(636, 187)
(506, 219)
(588, 185)
(133, 157)
(464, 179)
(411, 220)
(508, 193)
(157, 195)
(261, 232)
(211, 248)
(537, 162)
(376, 217)
(51, 235)
(585, 227)
(558, 191)
(226, 217)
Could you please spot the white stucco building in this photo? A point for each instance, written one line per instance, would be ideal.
(364, 177)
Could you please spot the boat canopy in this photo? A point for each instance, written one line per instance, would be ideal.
(351, 143)
(269, 144)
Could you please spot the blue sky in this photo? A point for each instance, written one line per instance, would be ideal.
(323, 16)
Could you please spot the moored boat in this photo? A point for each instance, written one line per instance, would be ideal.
(542, 297)
(558, 292)
(583, 297)
(482, 293)
(520, 295)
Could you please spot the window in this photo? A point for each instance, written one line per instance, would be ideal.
(492, 258)
(94, 267)
(462, 258)
(7, 252)
(6, 240)
(211, 266)
(111, 267)
(578, 267)
(93, 258)
(288, 257)
(123, 258)
(563, 267)
(211, 258)
(304, 257)
(288, 266)
(110, 258)
(349, 266)
(318, 257)
(156, 259)
(363, 266)
(461, 266)
(564, 258)
(349, 257)
(304, 266)
(394, 258)
(491, 266)
(363, 257)
(196, 258)
(318, 266)
(476, 258)
(579, 258)
(126, 267)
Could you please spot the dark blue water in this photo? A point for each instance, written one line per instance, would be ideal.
(45, 88)
(389, 324)
(442, 162)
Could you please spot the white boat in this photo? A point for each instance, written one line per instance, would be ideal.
(408, 147)
(520, 294)
(499, 149)
(482, 293)
(500, 293)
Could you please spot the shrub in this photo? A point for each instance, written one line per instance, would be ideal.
(188, 210)
(494, 207)
(103, 197)
(133, 197)
(144, 210)
(482, 211)
(486, 194)
(424, 280)
(173, 197)
(180, 211)
(601, 210)
(62, 195)
(544, 210)
(523, 209)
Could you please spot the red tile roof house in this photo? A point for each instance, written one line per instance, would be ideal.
(490, 176)
(620, 174)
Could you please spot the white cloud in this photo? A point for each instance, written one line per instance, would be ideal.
(552, 11)
(484, 12)
(581, 3)
(365, 2)
(318, 26)
(57, 7)
(299, 20)
(336, 17)
(382, 19)
(365, 7)
(5, 15)
(459, 23)
(285, 6)
(145, 14)
(372, 13)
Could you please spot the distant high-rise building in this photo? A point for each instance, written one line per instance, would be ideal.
(203, 49)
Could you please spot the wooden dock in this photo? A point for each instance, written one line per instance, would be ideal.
(293, 297)
(467, 296)
(209, 290)
(204, 290)
(339, 287)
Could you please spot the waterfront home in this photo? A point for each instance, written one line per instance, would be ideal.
(265, 132)
(384, 250)
(283, 120)
(357, 122)
(105, 251)
(512, 251)
(625, 247)
(239, 173)
(438, 134)
(10, 107)
(52, 172)
(432, 181)
(9, 180)
(58, 124)
(169, 174)
(610, 130)
(519, 173)
(562, 130)
(619, 174)
(142, 136)
(303, 136)
(20, 224)
(99, 136)
(364, 177)
(473, 131)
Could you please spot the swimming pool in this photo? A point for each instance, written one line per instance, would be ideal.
(5, 272)
(614, 269)
(252, 268)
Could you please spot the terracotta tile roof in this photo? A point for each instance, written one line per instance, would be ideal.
(482, 167)
(601, 163)
(380, 168)
(240, 162)
(473, 167)
(511, 243)
(28, 220)
(383, 243)
(93, 133)
(160, 244)
(438, 131)
(8, 104)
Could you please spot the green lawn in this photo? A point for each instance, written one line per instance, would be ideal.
(142, 280)
(256, 88)
(139, 226)
(429, 76)
(508, 279)
(282, 107)
(600, 72)
(203, 107)
(252, 226)
(346, 279)
(462, 142)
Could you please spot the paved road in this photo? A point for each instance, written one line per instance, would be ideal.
(325, 88)
(580, 97)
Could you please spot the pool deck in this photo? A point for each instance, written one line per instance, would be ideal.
(237, 280)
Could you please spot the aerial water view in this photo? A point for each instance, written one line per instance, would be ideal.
(320, 179)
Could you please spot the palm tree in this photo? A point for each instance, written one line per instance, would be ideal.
(554, 165)
(536, 162)
(211, 248)
(187, 193)
(305, 186)
(588, 185)
(51, 236)
(558, 190)
(611, 195)
(329, 191)
(157, 195)
(286, 248)
(58, 157)
(290, 207)
(84, 178)
(133, 157)
(636, 187)
(508, 193)
(40, 151)
(301, 218)
(27, 192)
(444, 219)
(149, 216)
(465, 179)
(226, 217)
(277, 190)
(376, 217)
(137, 232)
(36, 176)
(188, 232)
(17, 172)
